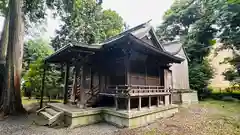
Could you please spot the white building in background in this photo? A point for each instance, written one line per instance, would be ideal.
(216, 59)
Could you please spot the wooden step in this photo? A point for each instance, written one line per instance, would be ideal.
(46, 114)
(51, 111)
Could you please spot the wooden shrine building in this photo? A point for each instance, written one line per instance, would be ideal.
(130, 70)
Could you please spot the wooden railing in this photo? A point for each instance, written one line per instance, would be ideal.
(148, 89)
(136, 90)
(117, 89)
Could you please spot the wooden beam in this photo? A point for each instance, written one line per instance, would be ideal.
(66, 83)
(43, 84)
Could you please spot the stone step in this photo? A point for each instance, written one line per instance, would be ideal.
(51, 111)
(46, 115)
(40, 120)
(49, 116)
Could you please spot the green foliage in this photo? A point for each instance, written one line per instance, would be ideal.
(232, 75)
(3, 7)
(229, 22)
(87, 23)
(33, 79)
(192, 21)
(199, 75)
(198, 23)
(112, 24)
(234, 1)
(35, 52)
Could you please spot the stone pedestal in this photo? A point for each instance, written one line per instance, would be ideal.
(185, 97)
(167, 99)
(80, 105)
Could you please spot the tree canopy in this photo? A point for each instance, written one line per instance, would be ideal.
(87, 23)
(198, 24)
(191, 21)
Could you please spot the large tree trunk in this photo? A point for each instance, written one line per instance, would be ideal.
(12, 103)
(3, 53)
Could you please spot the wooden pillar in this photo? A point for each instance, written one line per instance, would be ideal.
(43, 84)
(149, 101)
(100, 81)
(158, 101)
(145, 67)
(139, 103)
(74, 88)
(82, 90)
(159, 75)
(116, 103)
(129, 104)
(163, 99)
(165, 79)
(127, 69)
(66, 83)
(170, 99)
(105, 81)
(91, 81)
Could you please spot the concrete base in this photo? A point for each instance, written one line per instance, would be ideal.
(137, 118)
(184, 97)
(75, 117)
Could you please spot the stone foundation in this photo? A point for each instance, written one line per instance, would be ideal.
(75, 117)
(136, 118)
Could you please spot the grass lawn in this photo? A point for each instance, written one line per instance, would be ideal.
(26, 101)
(227, 107)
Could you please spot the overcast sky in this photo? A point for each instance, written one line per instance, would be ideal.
(133, 12)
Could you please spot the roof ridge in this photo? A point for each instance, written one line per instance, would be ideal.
(126, 31)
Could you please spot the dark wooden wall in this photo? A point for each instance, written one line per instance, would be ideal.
(143, 69)
(146, 73)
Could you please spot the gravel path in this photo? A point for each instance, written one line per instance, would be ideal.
(24, 126)
(194, 120)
